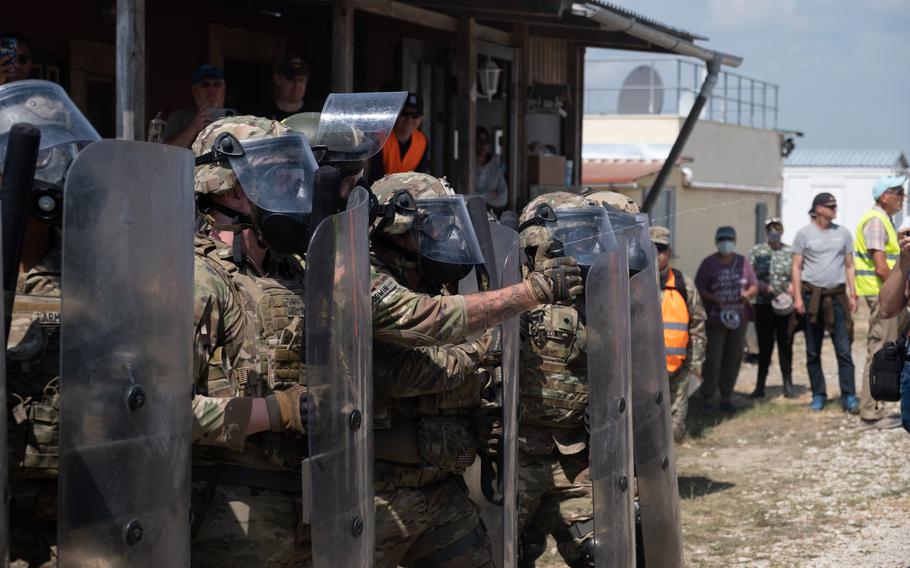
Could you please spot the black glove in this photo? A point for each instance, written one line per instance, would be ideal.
(556, 280)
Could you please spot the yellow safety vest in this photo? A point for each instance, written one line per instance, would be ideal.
(867, 283)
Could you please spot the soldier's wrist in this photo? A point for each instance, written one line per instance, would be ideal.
(277, 423)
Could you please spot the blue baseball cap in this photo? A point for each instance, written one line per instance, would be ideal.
(726, 232)
(885, 183)
(207, 70)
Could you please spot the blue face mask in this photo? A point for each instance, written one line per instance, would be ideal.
(726, 247)
(774, 237)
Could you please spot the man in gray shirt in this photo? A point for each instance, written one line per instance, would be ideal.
(824, 293)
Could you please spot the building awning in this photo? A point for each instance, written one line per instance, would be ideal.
(600, 172)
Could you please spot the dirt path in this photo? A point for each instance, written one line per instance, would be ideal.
(776, 485)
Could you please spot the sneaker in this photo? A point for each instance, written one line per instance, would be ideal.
(818, 402)
(850, 404)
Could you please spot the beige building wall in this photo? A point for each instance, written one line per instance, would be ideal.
(630, 129)
(735, 154)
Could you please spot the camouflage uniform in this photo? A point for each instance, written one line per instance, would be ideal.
(554, 485)
(772, 266)
(424, 401)
(33, 378)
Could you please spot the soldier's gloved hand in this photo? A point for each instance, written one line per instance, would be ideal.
(288, 409)
(556, 280)
(489, 436)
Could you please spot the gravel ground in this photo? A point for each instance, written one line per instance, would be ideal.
(776, 485)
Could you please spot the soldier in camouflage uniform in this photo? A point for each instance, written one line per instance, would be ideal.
(426, 397)
(772, 261)
(684, 330)
(553, 476)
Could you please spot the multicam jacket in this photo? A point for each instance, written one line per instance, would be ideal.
(771, 267)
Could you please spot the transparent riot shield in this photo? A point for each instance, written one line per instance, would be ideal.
(655, 460)
(610, 407)
(355, 126)
(338, 373)
(493, 486)
(4, 455)
(126, 346)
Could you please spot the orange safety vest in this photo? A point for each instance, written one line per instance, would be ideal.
(393, 163)
(676, 324)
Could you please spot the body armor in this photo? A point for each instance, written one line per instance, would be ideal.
(275, 304)
(33, 372)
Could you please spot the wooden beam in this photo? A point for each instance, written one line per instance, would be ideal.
(522, 40)
(573, 123)
(428, 18)
(466, 55)
(131, 69)
(343, 46)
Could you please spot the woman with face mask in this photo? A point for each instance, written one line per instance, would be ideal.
(727, 284)
(772, 261)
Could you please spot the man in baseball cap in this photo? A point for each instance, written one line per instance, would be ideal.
(289, 88)
(684, 330)
(876, 251)
(207, 87)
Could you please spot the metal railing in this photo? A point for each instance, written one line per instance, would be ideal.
(668, 86)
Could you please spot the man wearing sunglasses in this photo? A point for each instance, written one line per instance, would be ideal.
(16, 60)
(208, 90)
(877, 251)
(824, 293)
(406, 148)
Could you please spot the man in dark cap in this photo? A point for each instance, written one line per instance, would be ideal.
(208, 90)
(406, 149)
(290, 82)
(825, 295)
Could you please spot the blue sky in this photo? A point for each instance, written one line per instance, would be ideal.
(843, 66)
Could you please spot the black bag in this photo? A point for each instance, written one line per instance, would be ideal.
(887, 366)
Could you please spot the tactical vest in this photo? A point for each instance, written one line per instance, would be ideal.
(676, 323)
(554, 367)
(275, 305)
(33, 378)
(868, 282)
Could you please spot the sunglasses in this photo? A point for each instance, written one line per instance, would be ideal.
(210, 84)
(661, 247)
(830, 205)
(412, 114)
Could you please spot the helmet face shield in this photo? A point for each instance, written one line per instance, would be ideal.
(583, 232)
(443, 231)
(277, 173)
(635, 228)
(355, 126)
(47, 106)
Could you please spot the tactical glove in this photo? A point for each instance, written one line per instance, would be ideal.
(556, 280)
(489, 435)
(288, 409)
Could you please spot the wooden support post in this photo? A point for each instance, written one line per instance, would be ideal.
(343, 46)
(520, 196)
(573, 125)
(467, 107)
(131, 69)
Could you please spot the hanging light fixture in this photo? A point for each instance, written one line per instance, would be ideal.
(489, 78)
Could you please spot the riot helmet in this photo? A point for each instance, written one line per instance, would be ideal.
(613, 199)
(565, 224)
(64, 132)
(428, 210)
(274, 166)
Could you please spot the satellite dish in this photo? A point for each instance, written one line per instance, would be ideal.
(642, 92)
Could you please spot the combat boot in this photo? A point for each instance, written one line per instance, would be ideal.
(788, 386)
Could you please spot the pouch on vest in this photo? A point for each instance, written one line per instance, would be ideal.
(447, 442)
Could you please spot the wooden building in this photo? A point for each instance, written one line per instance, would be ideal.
(433, 47)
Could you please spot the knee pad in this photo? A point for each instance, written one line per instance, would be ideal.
(577, 544)
(531, 545)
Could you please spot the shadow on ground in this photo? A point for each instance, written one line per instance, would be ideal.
(699, 486)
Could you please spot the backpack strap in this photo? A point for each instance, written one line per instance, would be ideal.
(680, 284)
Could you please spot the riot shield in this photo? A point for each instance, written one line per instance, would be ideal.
(126, 346)
(4, 455)
(339, 470)
(493, 487)
(355, 126)
(655, 460)
(610, 408)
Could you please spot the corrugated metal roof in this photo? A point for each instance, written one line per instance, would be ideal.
(680, 33)
(845, 158)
